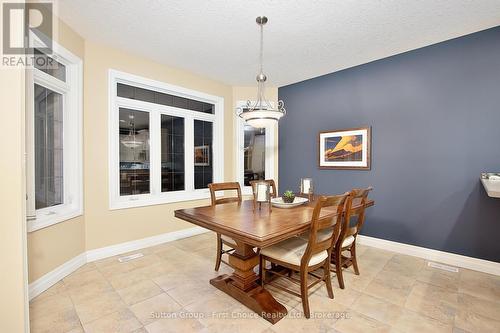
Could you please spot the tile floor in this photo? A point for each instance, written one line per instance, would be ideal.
(167, 290)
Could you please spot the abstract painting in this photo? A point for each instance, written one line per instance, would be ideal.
(345, 149)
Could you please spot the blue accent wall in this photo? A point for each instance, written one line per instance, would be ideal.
(435, 117)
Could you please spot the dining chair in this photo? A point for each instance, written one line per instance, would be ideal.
(352, 223)
(221, 239)
(271, 183)
(306, 256)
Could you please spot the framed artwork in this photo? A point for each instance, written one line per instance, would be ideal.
(202, 155)
(345, 149)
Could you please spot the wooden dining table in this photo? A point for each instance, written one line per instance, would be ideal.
(252, 228)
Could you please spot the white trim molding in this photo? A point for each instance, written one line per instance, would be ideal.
(156, 196)
(452, 259)
(51, 278)
(113, 250)
(48, 280)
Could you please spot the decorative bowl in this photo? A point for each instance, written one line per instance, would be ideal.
(278, 202)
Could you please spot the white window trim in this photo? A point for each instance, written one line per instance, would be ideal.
(239, 154)
(72, 140)
(156, 197)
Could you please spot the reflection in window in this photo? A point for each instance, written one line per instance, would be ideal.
(134, 152)
(254, 154)
(203, 166)
(49, 65)
(48, 147)
(172, 153)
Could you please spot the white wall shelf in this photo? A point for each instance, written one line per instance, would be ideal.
(491, 186)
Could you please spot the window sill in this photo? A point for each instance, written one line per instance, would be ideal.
(45, 221)
(145, 200)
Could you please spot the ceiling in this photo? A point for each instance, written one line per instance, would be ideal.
(219, 38)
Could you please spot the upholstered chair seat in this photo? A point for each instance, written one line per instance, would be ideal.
(348, 241)
(291, 252)
(306, 256)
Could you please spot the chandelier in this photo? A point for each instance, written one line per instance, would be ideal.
(130, 141)
(261, 113)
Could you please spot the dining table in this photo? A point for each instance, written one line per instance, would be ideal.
(252, 228)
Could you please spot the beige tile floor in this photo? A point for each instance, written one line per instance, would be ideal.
(167, 290)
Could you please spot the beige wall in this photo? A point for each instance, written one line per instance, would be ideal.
(51, 247)
(12, 203)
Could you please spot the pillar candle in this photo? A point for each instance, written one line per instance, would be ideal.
(262, 192)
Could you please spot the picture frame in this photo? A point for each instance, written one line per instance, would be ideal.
(202, 155)
(345, 149)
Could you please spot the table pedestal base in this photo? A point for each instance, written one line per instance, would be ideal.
(257, 298)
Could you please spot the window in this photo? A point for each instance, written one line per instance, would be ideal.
(166, 142)
(203, 138)
(134, 152)
(172, 153)
(254, 153)
(53, 139)
(48, 148)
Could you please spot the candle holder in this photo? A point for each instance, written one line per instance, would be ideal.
(306, 188)
(261, 193)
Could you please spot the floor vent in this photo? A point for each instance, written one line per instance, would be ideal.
(130, 257)
(443, 267)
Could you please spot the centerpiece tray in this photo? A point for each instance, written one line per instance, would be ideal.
(278, 202)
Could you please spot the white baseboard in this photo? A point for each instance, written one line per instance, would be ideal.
(56, 275)
(452, 259)
(48, 280)
(113, 250)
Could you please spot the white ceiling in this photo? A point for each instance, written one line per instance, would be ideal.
(303, 39)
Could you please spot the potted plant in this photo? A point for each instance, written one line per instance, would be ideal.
(288, 197)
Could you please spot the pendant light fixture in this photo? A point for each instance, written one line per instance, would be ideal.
(261, 113)
(130, 141)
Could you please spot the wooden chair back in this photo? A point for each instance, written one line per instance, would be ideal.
(358, 214)
(271, 182)
(231, 186)
(331, 222)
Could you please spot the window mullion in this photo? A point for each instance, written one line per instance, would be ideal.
(30, 147)
(155, 152)
(189, 153)
(46, 158)
(270, 149)
(67, 167)
(240, 147)
(50, 82)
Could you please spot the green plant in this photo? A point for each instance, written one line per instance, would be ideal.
(288, 196)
